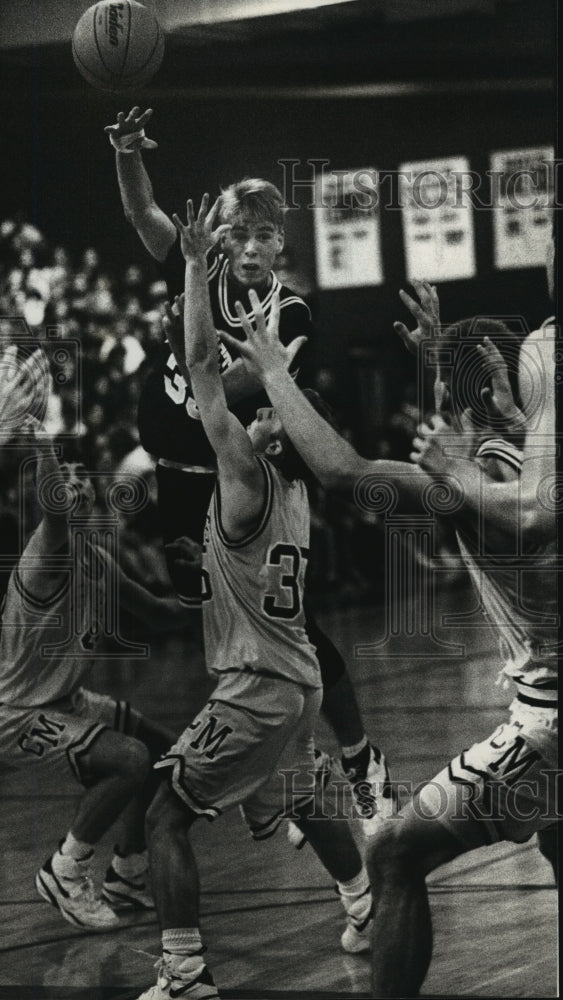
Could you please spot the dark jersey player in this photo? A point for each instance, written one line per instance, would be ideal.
(241, 254)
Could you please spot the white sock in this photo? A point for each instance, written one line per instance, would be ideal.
(78, 850)
(184, 950)
(356, 748)
(131, 866)
(355, 888)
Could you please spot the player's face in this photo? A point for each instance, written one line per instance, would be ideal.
(252, 248)
(77, 479)
(265, 431)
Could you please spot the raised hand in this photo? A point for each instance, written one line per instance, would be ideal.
(426, 313)
(197, 235)
(263, 351)
(23, 385)
(437, 445)
(498, 399)
(128, 134)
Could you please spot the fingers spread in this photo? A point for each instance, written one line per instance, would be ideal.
(412, 306)
(145, 117)
(213, 211)
(201, 215)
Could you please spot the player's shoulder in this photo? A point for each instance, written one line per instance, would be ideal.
(291, 301)
(500, 448)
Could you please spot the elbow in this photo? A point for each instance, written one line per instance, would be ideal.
(339, 478)
(537, 527)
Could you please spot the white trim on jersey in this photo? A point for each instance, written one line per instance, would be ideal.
(263, 831)
(291, 299)
(223, 296)
(32, 600)
(499, 448)
(213, 268)
(177, 763)
(81, 747)
(264, 515)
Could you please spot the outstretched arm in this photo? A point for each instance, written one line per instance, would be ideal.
(333, 460)
(522, 505)
(427, 330)
(23, 386)
(127, 137)
(240, 476)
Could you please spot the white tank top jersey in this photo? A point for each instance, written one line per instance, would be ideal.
(253, 588)
(47, 641)
(520, 602)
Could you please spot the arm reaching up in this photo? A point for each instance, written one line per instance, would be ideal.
(523, 505)
(428, 326)
(128, 138)
(23, 386)
(240, 475)
(334, 461)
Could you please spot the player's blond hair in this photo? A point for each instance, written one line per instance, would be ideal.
(256, 199)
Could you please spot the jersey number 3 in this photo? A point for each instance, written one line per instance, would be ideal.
(291, 561)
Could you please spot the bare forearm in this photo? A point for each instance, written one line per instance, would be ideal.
(239, 383)
(134, 184)
(51, 479)
(199, 330)
(332, 459)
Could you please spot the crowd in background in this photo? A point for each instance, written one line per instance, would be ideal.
(109, 328)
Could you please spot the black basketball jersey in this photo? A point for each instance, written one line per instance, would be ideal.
(169, 424)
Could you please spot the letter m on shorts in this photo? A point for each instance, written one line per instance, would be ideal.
(46, 731)
(210, 739)
(512, 766)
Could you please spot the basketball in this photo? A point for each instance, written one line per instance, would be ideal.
(117, 46)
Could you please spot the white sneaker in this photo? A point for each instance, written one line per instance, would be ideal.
(374, 796)
(71, 890)
(296, 838)
(171, 987)
(122, 892)
(323, 771)
(359, 922)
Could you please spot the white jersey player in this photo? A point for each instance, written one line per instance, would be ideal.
(505, 786)
(252, 745)
(56, 609)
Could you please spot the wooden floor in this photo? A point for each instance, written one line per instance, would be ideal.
(271, 919)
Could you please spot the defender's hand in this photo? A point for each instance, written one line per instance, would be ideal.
(197, 235)
(498, 399)
(426, 313)
(263, 351)
(433, 445)
(23, 385)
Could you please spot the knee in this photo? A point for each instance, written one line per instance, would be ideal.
(134, 763)
(390, 852)
(165, 816)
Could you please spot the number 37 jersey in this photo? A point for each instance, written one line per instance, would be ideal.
(253, 588)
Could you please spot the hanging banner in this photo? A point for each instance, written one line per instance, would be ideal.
(347, 229)
(437, 219)
(522, 188)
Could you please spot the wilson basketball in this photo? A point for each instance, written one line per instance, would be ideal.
(117, 46)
